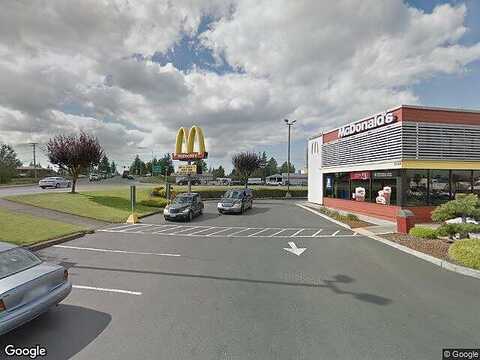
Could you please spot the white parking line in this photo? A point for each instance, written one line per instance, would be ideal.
(258, 232)
(219, 231)
(199, 231)
(114, 251)
(336, 232)
(276, 233)
(318, 232)
(167, 229)
(238, 232)
(107, 290)
(297, 232)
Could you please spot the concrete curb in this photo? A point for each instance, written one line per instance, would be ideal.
(431, 259)
(324, 216)
(16, 185)
(48, 243)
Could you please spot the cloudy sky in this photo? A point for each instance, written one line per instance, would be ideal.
(132, 72)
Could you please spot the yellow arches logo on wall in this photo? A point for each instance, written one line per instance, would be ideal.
(187, 138)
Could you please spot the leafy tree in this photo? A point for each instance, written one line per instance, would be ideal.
(284, 168)
(201, 166)
(74, 154)
(245, 164)
(8, 163)
(113, 168)
(104, 166)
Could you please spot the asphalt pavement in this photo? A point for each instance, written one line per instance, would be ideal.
(224, 287)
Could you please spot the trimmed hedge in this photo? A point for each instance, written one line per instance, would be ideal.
(423, 232)
(155, 202)
(213, 193)
(466, 252)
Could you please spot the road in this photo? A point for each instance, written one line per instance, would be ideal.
(82, 184)
(223, 287)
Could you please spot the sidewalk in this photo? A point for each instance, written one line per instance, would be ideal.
(52, 214)
(379, 226)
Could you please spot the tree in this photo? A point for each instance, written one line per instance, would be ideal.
(284, 168)
(464, 206)
(245, 164)
(138, 167)
(104, 166)
(8, 163)
(74, 153)
(113, 168)
(166, 163)
(272, 167)
(201, 166)
(218, 173)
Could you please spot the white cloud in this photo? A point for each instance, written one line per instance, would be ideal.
(67, 66)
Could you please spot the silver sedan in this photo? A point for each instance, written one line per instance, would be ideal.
(54, 181)
(28, 286)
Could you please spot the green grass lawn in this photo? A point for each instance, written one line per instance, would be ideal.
(112, 205)
(23, 229)
(466, 252)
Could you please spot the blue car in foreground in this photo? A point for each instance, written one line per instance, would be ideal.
(28, 286)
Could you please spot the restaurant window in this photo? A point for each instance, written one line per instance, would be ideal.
(341, 184)
(416, 187)
(384, 187)
(328, 185)
(476, 182)
(461, 182)
(439, 186)
(360, 185)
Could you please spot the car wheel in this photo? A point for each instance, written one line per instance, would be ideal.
(69, 184)
(166, 219)
(57, 186)
(43, 187)
(190, 216)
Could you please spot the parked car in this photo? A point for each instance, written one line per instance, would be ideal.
(28, 286)
(56, 182)
(184, 207)
(236, 201)
(94, 177)
(184, 181)
(130, 177)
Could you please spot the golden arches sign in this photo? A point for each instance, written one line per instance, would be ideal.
(188, 137)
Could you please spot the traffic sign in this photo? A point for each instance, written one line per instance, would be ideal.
(187, 169)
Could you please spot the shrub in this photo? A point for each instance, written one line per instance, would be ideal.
(423, 232)
(352, 217)
(466, 252)
(160, 191)
(463, 206)
(451, 230)
(155, 202)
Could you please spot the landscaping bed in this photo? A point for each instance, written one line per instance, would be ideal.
(112, 205)
(434, 247)
(351, 220)
(23, 229)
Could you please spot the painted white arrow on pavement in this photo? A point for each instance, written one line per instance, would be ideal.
(294, 250)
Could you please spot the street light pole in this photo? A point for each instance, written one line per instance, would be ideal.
(289, 124)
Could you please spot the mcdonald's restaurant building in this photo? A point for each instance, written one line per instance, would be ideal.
(408, 157)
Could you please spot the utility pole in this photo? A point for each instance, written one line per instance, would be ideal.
(34, 159)
(289, 124)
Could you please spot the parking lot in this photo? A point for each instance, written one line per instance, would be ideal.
(223, 287)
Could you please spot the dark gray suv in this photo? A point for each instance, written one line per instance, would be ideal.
(184, 207)
(236, 201)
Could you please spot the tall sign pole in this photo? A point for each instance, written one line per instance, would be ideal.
(289, 124)
(188, 137)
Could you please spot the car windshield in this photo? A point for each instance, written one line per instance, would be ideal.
(236, 194)
(183, 200)
(15, 260)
